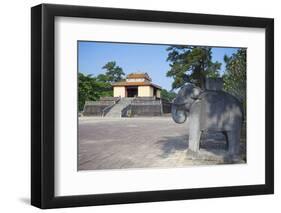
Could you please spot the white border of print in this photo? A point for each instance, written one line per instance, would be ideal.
(68, 181)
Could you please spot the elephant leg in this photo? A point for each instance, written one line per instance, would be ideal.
(194, 140)
(226, 139)
(194, 127)
(233, 141)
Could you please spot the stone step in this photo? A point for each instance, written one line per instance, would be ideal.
(116, 110)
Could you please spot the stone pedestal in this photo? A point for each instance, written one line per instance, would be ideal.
(214, 84)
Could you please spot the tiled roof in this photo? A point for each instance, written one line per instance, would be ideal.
(139, 75)
(144, 83)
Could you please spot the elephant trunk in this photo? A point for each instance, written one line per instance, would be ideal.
(178, 115)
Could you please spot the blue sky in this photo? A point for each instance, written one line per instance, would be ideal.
(92, 56)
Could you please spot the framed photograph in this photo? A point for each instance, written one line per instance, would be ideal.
(139, 106)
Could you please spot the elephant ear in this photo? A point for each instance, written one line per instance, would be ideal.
(196, 91)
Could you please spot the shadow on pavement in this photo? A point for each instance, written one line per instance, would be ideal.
(170, 145)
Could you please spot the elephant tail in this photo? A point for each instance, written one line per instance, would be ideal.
(242, 112)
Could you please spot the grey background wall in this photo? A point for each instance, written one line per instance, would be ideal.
(15, 97)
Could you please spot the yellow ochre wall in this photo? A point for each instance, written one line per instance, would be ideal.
(145, 91)
(119, 91)
(158, 93)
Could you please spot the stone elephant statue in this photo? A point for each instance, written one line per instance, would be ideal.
(209, 110)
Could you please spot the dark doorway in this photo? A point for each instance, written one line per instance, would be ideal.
(154, 92)
(132, 91)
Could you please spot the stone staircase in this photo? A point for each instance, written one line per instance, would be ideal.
(116, 110)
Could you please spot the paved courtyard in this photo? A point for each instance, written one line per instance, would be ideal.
(116, 143)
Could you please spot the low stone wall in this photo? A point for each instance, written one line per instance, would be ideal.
(166, 106)
(143, 99)
(146, 110)
(109, 98)
(95, 108)
(147, 107)
(140, 106)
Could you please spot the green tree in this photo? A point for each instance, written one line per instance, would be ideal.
(113, 72)
(168, 95)
(235, 75)
(191, 63)
(85, 85)
(103, 78)
(91, 89)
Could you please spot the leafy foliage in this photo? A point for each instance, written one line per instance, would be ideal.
(113, 72)
(168, 95)
(191, 63)
(92, 88)
(235, 74)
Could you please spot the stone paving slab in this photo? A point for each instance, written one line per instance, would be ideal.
(122, 143)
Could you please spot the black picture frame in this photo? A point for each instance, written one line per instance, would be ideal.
(43, 105)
